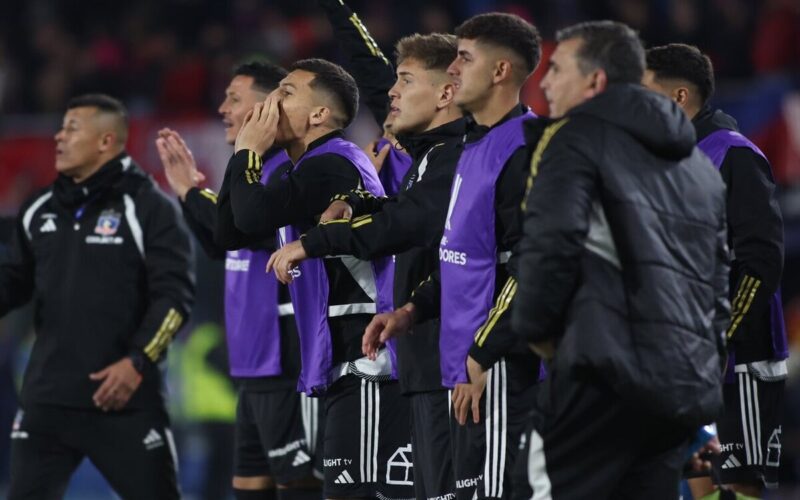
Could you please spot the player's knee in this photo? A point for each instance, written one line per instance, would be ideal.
(253, 483)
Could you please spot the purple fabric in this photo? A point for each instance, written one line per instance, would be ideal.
(468, 250)
(251, 306)
(310, 287)
(716, 146)
(394, 168)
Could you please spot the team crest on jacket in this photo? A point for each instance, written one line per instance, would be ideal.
(107, 223)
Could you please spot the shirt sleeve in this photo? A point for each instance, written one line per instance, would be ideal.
(17, 270)
(170, 280)
(200, 213)
(371, 70)
(756, 239)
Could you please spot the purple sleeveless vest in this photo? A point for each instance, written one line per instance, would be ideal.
(394, 168)
(251, 306)
(468, 250)
(716, 146)
(310, 287)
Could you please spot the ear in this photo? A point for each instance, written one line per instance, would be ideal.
(447, 93)
(107, 141)
(319, 115)
(502, 70)
(598, 82)
(681, 96)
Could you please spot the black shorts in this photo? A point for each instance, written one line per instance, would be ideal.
(750, 431)
(484, 454)
(276, 435)
(367, 451)
(133, 450)
(430, 440)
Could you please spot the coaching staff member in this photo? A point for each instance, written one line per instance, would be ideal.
(623, 276)
(103, 254)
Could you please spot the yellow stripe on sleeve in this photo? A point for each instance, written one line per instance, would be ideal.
(743, 305)
(169, 326)
(207, 193)
(502, 304)
(547, 136)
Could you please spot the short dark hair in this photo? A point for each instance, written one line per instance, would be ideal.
(609, 45)
(679, 61)
(266, 76)
(508, 31)
(434, 51)
(336, 82)
(104, 104)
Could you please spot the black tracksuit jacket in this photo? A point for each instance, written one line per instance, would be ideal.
(108, 265)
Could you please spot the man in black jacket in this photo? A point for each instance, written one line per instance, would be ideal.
(756, 336)
(275, 436)
(430, 127)
(622, 276)
(107, 260)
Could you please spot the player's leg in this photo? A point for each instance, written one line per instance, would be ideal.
(395, 465)
(351, 430)
(750, 434)
(135, 451)
(251, 473)
(286, 423)
(430, 440)
(41, 463)
(479, 450)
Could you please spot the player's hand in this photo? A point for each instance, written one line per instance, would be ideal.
(699, 462)
(178, 162)
(384, 326)
(260, 126)
(120, 381)
(545, 350)
(377, 158)
(286, 258)
(337, 210)
(468, 396)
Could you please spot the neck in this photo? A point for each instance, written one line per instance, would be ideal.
(84, 173)
(691, 111)
(297, 148)
(499, 102)
(444, 116)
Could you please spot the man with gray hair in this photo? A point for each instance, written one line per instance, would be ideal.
(622, 276)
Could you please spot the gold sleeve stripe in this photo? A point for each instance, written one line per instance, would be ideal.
(362, 222)
(503, 301)
(740, 311)
(247, 172)
(547, 136)
(368, 40)
(168, 327)
(335, 221)
(209, 194)
(744, 286)
(429, 278)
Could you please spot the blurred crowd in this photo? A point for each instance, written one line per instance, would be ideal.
(175, 55)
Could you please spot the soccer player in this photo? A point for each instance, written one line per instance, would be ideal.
(374, 75)
(750, 431)
(108, 261)
(366, 451)
(430, 127)
(622, 276)
(275, 426)
(496, 54)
